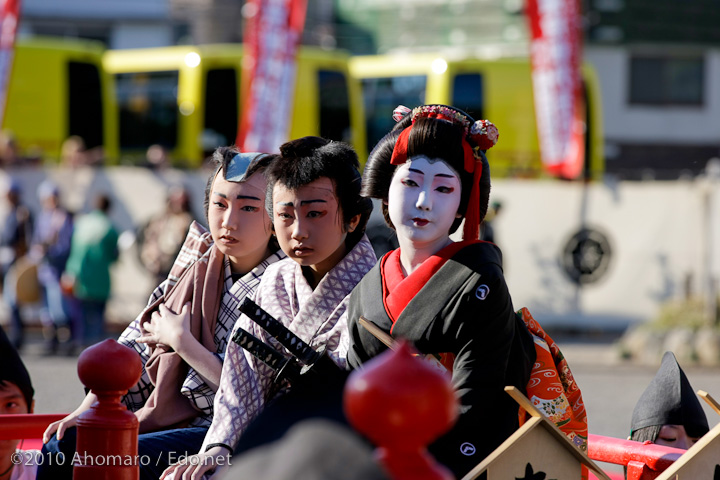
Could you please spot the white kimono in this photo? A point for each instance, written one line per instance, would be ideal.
(319, 317)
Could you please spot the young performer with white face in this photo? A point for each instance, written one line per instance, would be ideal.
(447, 298)
(182, 334)
(319, 219)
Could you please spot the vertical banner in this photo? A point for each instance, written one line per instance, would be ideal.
(555, 54)
(273, 29)
(9, 15)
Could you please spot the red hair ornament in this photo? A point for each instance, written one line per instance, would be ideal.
(482, 133)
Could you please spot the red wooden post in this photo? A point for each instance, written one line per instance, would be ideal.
(644, 461)
(401, 404)
(28, 425)
(107, 434)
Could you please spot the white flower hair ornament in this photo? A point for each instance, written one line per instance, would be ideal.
(484, 134)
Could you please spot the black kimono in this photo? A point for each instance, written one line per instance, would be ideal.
(464, 309)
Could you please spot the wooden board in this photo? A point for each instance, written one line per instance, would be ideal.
(537, 447)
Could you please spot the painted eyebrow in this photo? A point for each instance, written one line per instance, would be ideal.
(306, 202)
(239, 197)
(444, 175)
(302, 202)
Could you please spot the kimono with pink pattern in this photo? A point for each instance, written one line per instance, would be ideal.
(319, 317)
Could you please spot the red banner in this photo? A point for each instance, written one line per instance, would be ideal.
(272, 34)
(555, 53)
(9, 17)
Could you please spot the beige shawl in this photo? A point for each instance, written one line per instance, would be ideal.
(202, 285)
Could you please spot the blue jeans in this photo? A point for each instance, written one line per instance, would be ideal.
(93, 320)
(156, 451)
(162, 449)
(17, 326)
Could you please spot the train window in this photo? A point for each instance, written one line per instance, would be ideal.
(382, 95)
(147, 103)
(221, 106)
(468, 94)
(334, 106)
(666, 81)
(85, 103)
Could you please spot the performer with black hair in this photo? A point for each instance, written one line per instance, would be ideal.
(182, 333)
(449, 299)
(319, 218)
(16, 397)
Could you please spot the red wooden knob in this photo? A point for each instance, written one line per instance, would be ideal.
(109, 365)
(402, 403)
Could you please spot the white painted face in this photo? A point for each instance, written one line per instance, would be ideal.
(309, 224)
(238, 221)
(423, 201)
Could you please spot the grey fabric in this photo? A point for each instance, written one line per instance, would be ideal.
(312, 450)
(670, 400)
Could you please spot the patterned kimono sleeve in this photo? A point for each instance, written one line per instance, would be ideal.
(200, 394)
(240, 397)
(335, 335)
(138, 394)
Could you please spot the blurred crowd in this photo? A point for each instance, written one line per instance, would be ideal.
(55, 263)
(73, 153)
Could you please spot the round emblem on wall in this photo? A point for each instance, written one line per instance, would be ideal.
(586, 256)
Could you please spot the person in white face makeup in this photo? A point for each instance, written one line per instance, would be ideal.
(449, 299)
(182, 333)
(319, 219)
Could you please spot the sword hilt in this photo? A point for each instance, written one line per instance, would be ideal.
(295, 345)
(286, 367)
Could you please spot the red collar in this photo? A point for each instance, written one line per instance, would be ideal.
(398, 290)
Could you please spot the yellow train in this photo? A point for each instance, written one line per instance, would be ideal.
(497, 89)
(58, 88)
(187, 99)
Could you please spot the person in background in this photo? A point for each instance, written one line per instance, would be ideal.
(668, 412)
(94, 248)
(50, 248)
(157, 157)
(160, 240)
(16, 397)
(74, 153)
(182, 333)
(14, 244)
(487, 230)
(9, 155)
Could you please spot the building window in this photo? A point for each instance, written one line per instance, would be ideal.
(666, 81)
